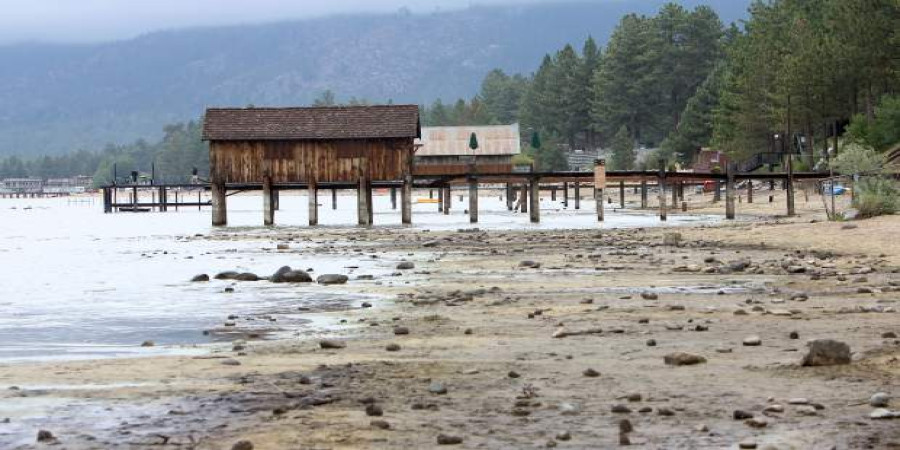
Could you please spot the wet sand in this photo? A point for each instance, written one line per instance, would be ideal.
(481, 326)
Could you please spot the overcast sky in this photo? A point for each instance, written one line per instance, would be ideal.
(100, 20)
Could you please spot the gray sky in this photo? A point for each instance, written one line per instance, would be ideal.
(100, 20)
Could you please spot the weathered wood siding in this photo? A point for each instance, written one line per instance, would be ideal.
(301, 161)
(450, 165)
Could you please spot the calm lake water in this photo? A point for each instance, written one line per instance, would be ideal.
(77, 283)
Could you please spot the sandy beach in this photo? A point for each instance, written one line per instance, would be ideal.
(523, 339)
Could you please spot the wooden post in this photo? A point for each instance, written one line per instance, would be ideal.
(674, 194)
(219, 203)
(473, 200)
(312, 194)
(176, 200)
(370, 205)
(717, 193)
(362, 212)
(406, 200)
(268, 204)
(577, 195)
(107, 200)
(448, 200)
(552, 193)
(523, 202)
(599, 186)
(789, 185)
(663, 214)
(622, 194)
(440, 199)
(729, 191)
(565, 194)
(749, 191)
(276, 199)
(333, 198)
(535, 200)
(643, 193)
(431, 194)
(394, 198)
(509, 196)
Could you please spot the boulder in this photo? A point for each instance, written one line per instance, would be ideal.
(826, 352)
(331, 278)
(242, 445)
(247, 276)
(406, 265)
(227, 275)
(201, 277)
(288, 275)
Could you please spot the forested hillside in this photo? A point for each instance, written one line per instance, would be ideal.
(60, 98)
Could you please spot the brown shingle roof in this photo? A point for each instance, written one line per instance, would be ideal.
(329, 122)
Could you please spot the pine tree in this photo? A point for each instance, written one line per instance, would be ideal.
(623, 156)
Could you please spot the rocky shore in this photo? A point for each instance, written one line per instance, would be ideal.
(778, 335)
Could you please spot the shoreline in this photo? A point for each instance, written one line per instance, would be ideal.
(291, 393)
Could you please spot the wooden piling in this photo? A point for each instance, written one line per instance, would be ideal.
(312, 194)
(523, 202)
(448, 200)
(510, 193)
(729, 191)
(276, 199)
(577, 195)
(219, 203)
(393, 198)
(333, 198)
(565, 194)
(406, 200)
(552, 193)
(622, 194)
(440, 200)
(268, 201)
(749, 191)
(717, 193)
(599, 186)
(473, 200)
(535, 200)
(663, 214)
(643, 193)
(789, 186)
(362, 212)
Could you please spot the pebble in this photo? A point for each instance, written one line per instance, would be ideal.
(747, 444)
(752, 341)
(200, 278)
(401, 331)
(148, 344)
(406, 265)
(437, 388)
(392, 347)
(882, 413)
(591, 373)
(242, 445)
(739, 414)
(807, 410)
(231, 362)
(329, 344)
(756, 423)
(380, 424)
(889, 335)
(374, 411)
(774, 409)
(45, 436)
(444, 439)
(798, 401)
(880, 400)
(621, 409)
(563, 436)
(683, 359)
(649, 296)
(794, 335)
(513, 374)
(569, 409)
(665, 412)
(651, 342)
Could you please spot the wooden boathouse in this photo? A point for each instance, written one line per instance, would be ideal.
(308, 148)
(446, 150)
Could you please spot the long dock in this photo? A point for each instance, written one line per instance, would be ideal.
(522, 191)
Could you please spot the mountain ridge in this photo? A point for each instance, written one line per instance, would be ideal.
(57, 98)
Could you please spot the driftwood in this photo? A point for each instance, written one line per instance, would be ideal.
(562, 332)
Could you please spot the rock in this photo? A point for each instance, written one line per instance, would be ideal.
(201, 277)
(807, 410)
(741, 312)
(798, 401)
(329, 344)
(380, 424)
(230, 362)
(513, 374)
(331, 278)
(365, 305)
(282, 247)
(563, 436)
(882, 413)
(683, 359)
(665, 412)
(649, 296)
(826, 352)
(889, 335)
(774, 409)
(288, 275)
(46, 436)
(672, 239)
(437, 388)
(148, 344)
(530, 264)
(406, 265)
(569, 409)
(752, 341)
(740, 414)
(392, 347)
(794, 335)
(747, 444)
(651, 342)
(401, 331)
(444, 439)
(227, 275)
(247, 276)
(620, 409)
(591, 373)
(880, 400)
(242, 445)
(756, 423)
(374, 411)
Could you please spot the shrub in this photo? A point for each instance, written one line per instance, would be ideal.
(877, 196)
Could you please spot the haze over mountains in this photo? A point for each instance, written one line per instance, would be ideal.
(56, 98)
